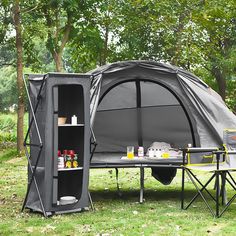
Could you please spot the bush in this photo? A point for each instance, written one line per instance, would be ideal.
(8, 88)
(8, 128)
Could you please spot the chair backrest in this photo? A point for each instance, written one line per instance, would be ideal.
(229, 139)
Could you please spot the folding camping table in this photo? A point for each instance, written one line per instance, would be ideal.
(113, 160)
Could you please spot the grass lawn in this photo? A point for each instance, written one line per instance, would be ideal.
(160, 214)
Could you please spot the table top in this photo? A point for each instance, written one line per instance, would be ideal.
(116, 160)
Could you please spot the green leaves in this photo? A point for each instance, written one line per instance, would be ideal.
(197, 35)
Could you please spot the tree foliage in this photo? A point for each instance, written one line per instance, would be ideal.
(77, 36)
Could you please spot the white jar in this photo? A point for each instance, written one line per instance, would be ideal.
(151, 152)
(140, 152)
(158, 153)
(74, 120)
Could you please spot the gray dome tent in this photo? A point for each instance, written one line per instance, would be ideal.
(139, 102)
(136, 103)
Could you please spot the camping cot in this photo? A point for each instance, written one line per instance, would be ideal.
(136, 103)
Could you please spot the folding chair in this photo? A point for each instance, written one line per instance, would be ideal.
(219, 164)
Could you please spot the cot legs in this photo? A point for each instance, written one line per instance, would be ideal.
(141, 184)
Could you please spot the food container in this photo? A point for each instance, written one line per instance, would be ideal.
(60, 160)
(61, 120)
(61, 163)
(140, 152)
(68, 161)
(75, 162)
(67, 200)
(151, 152)
(157, 152)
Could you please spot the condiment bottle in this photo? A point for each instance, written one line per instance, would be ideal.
(74, 120)
(75, 162)
(151, 152)
(60, 160)
(140, 152)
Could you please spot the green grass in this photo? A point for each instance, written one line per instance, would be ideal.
(160, 214)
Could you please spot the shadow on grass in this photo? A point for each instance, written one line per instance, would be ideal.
(7, 155)
(133, 195)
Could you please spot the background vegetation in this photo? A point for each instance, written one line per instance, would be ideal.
(115, 215)
(39, 36)
(77, 36)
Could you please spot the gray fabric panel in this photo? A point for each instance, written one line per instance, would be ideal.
(66, 102)
(213, 111)
(153, 94)
(33, 199)
(165, 124)
(115, 130)
(121, 96)
(34, 87)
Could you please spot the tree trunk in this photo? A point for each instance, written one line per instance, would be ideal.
(221, 81)
(58, 61)
(105, 48)
(20, 84)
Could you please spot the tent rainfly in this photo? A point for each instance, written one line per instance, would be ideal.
(140, 102)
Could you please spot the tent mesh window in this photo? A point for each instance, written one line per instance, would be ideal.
(139, 113)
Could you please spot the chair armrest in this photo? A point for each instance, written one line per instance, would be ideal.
(231, 152)
(199, 149)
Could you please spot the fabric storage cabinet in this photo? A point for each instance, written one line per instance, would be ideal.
(53, 96)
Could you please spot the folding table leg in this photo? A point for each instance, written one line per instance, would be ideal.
(141, 184)
(117, 182)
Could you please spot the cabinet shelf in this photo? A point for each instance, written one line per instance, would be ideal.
(70, 169)
(70, 125)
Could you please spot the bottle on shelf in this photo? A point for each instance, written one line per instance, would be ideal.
(74, 120)
(75, 163)
(140, 151)
(61, 163)
(67, 157)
